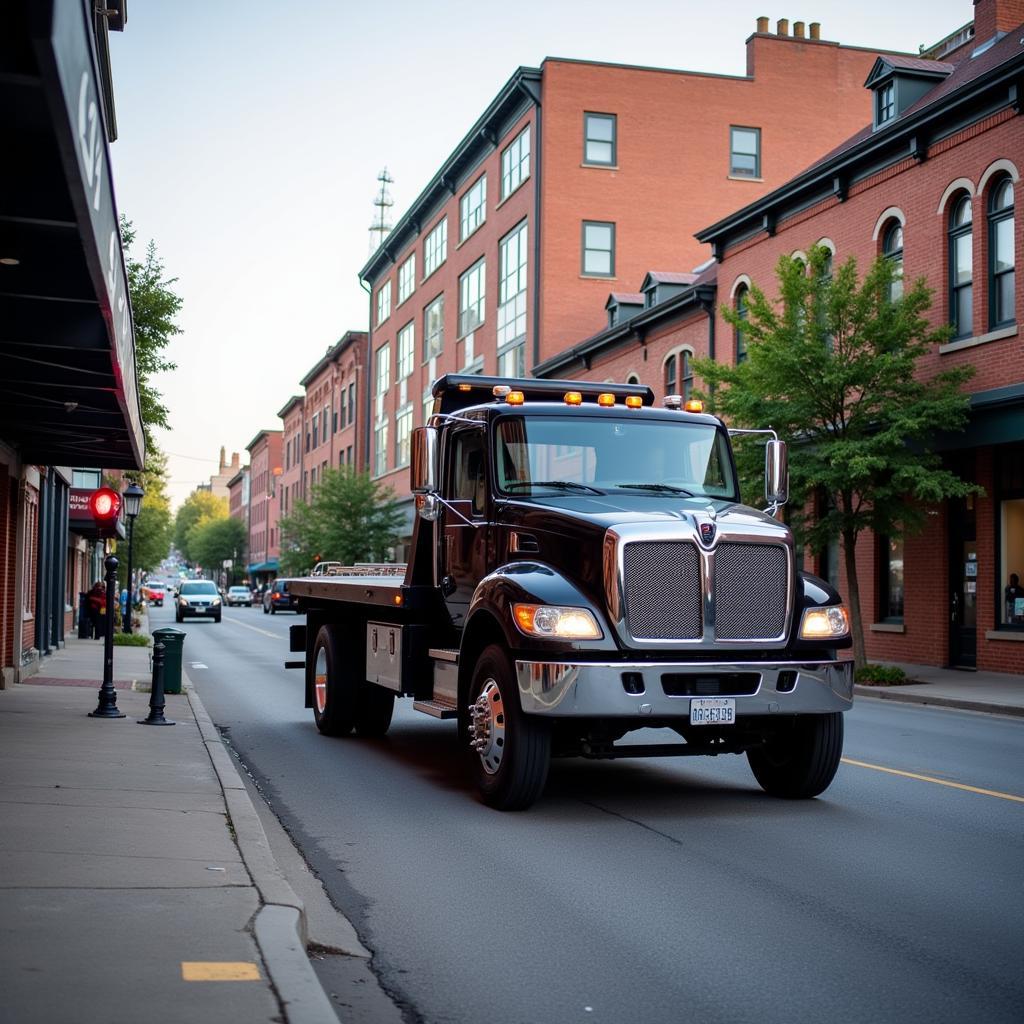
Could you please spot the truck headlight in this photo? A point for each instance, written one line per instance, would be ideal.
(825, 623)
(555, 622)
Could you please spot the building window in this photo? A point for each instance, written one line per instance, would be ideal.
(599, 139)
(830, 569)
(406, 350)
(892, 249)
(742, 311)
(744, 152)
(384, 302)
(1009, 481)
(433, 329)
(471, 298)
(316, 429)
(352, 402)
(407, 279)
(344, 407)
(961, 268)
(598, 248)
(473, 208)
(885, 103)
(632, 379)
(380, 449)
(685, 375)
(86, 479)
(435, 248)
(670, 375)
(890, 579)
(403, 431)
(512, 304)
(515, 163)
(383, 368)
(1001, 254)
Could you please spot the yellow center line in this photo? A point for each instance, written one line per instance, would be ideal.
(255, 629)
(937, 782)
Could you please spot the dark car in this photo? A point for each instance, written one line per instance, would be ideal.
(198, 597)
(278, 599)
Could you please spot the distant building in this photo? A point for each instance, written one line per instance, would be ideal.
(264, 537)
(219, 481)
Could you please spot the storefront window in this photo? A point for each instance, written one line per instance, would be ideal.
(1010, 495)
(890, 579)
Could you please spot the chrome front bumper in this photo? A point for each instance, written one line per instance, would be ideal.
(595, 690)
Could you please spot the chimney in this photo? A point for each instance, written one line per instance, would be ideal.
(798, 30)
(992, 16)
(762, 25)
(782, 27)
(223, 464)
(815, 28)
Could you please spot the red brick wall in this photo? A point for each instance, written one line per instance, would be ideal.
(8, 567)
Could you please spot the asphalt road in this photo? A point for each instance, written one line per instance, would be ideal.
(654, 891)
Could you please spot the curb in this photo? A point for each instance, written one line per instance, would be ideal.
(963, 704)
(280, 924)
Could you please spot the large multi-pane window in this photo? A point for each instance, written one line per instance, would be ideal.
(892, 249)
(433, 328)
(383, 368)
(744, 152)
(473, 207)
(599, 139)
(598, 248)
(435, 248)
(1001, 254)
(403, 431)
(471, 298)
(515, 162)
(685, 375)
(670, 375)
(380, 448)
(742, 311)
(406, 279)
(406, 350)
(961, 267)
(384, 302)
(512, 303)
(352, 402)
(890, 579)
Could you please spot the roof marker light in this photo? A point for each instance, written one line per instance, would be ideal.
(500, 391)
(465, 387)
(607, 400)
(672, 401)
(515, 398)
(573, 398)
(634, 402)
(694, 405)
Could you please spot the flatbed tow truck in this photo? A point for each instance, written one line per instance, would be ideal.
(582, 568)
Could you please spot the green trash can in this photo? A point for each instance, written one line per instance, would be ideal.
(173, 640)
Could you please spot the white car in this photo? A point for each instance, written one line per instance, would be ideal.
(239, 595)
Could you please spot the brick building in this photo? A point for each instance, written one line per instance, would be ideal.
(264, 505)
(932, 180)
(579, 175)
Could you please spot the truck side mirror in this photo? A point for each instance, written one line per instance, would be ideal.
(776, 473)
(423, 475)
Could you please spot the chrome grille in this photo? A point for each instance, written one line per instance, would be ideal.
(662, 590)
(750, 591)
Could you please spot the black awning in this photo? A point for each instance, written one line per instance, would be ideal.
(68, 389)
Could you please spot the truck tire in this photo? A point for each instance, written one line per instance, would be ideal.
(800, 762)
(334, 683)
(510, 752)
(374, 708)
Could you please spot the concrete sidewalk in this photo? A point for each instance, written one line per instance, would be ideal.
(136, 881)
(994, 692)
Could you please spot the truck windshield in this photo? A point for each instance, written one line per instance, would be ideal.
(549, 454)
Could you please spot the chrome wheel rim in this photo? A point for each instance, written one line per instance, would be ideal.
(320, 681)
(487, 727)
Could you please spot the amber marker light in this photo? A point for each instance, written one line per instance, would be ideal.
(465, 387)
(634, 402)
(514, 398)
(573, 398)
(606, 400)
(694, 405)
(398, 599)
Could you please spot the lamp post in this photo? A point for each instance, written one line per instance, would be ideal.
(132, 507)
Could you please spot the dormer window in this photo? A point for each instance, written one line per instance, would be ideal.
(885, 100)
(899, 82)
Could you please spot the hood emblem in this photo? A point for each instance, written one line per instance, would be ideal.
(707, 532)
(712, 514)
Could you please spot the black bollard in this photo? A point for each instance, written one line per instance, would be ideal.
(156, 693)
(107, 706)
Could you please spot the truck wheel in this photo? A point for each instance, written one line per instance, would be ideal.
(510, 752)
(334, 684)
(801, 762)
(374, 707)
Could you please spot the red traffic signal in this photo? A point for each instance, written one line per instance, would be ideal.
(105, 505)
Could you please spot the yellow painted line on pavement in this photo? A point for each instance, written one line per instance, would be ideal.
(213, 970)
(937, 782)
(255, 629)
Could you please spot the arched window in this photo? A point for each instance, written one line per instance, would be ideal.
(892, 249)
(632, 379)
(742, 312)
(670, 375)
(1001, 254)
(961, 268)
(685, 375)
(825, 278)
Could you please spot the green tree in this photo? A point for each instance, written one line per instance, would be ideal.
(212, 541)
(832, 366)
(155, 307)
(350, 518)
(197, 507)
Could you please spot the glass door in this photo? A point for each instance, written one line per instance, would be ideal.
(963, 569)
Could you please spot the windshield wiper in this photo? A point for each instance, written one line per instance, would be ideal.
(566, 485)
(669, 488)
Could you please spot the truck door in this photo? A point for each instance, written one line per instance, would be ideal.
(466, 523)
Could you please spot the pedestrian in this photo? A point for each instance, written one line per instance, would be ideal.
(97, 608)
(1014, 597)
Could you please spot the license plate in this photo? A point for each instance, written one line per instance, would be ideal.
(713, 711)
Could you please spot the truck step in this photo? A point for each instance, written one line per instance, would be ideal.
(444, 654)
(436, 708)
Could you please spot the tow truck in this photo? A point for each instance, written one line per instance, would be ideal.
(581, 569)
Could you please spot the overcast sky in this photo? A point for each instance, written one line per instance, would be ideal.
(251, 135)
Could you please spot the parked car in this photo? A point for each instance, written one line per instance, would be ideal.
(153, 593)
(239, 595)
(278, 599)
(198, 598)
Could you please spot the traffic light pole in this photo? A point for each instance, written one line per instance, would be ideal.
(107, 706)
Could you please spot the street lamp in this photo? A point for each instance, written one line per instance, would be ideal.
(132, 507)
